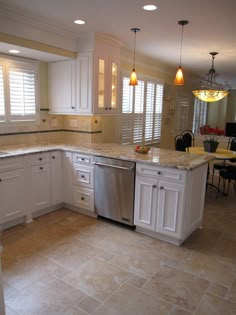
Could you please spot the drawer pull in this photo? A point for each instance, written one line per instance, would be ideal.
(40, 159)
(82, 159)
(154, 186)
(53, 157)
(159, 173)
(82, 176)
(162, 188)
(82, 198)
(41, 167)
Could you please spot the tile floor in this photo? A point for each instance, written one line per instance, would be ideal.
(65, 263)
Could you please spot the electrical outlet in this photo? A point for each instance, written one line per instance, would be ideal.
(53, 122)
(73, 123)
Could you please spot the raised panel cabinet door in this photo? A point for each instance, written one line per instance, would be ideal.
(40, 188)
(12, 195)
(170, 208)
(62, 87)
(56, 177)
(145, 202)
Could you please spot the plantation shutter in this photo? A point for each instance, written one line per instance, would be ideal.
(200, 115)
(22, 91)
(149, 115)
(127, 109)
(158, 113)
(183, 113)
(2, 98)
(138, 123)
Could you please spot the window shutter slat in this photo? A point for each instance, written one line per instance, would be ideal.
(2, 97)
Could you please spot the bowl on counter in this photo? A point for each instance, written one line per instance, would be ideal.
(142, 149)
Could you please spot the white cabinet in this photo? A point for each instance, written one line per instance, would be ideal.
(62, 87)
(56, 177)
(159, 202)
(45, 180)
(82, 180)
(12, 194)
(40, 190)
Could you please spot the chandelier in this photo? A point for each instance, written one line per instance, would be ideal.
(211, 91)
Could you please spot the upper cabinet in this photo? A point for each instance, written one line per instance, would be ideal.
(89, 84)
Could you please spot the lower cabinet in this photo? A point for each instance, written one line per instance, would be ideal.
(12, 195)
(83, 198)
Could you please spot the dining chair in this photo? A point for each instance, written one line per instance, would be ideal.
(220, 166)
(228, 174)
(188, 138)
(180, 144)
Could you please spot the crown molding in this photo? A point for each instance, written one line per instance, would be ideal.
(38, 22)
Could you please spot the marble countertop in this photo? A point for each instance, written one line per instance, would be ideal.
(156, 156)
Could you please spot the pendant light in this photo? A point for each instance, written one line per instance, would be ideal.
(211, 91)
(133, 77)
(179, 78)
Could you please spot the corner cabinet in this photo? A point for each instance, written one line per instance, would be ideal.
(163, 206)
(62, 87)
(89, 84)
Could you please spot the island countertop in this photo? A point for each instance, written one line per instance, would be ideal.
(156, 156)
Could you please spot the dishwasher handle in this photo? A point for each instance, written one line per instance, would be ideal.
(114, 166)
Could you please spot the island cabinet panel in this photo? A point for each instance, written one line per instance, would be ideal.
(169, 202)
(145, 203)
(170, 208)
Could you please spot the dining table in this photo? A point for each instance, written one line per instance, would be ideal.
(220, 154)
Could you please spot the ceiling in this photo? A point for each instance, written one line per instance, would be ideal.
(212, 27)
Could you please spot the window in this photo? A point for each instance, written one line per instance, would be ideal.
(18, 86)
(141, 112)
(200, 115)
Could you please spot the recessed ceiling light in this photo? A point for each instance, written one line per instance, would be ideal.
(14, 51)
(79, 22)
(150, 7)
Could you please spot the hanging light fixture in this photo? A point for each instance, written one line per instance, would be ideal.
(133, 77)
(179, 78)
(211, 91)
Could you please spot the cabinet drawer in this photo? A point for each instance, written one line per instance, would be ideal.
(39, 158)
(82, 158)
(161, 173)
(11, 163)
(83, 198)
(83, 175)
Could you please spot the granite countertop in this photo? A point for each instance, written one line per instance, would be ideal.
(156, 156)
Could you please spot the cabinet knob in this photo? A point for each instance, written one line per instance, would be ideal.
(82, 198)
(161, 187)
(109, 107)
(41, 168)
(40, 159)
(82, 159)
(154, 186)
(73, 107)
(82, 176)
(53, 157)
(158, 173)
(0, 179)
(106, 108)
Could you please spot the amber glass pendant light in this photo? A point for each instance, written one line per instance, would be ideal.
(133, 77)
(179, 78)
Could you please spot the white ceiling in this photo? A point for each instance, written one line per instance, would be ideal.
(212, 27)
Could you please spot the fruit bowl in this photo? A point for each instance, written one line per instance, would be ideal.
(142, 149)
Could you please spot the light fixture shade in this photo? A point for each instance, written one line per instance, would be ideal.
(211, 91)
(133, 78)
(210, 95)
(179, 78)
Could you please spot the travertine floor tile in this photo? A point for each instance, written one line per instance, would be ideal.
(217, 289)
(232, 292)
(210, 268)
(177, 287)
(54, 297)
(214, 305)
(179, 311)
(75, 311)
(88, 304)
(136, 281)
(97, 278)
(128, 300)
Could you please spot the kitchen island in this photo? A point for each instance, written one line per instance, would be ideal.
(169, 185)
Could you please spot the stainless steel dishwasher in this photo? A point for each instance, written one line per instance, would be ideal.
(114, 189)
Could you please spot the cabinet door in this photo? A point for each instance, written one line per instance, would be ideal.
(62, 87)
(145, 203)
(67, 177)
(56, 177)
(12, 195)
(40, 189)
(170, 208)
(84, 79)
